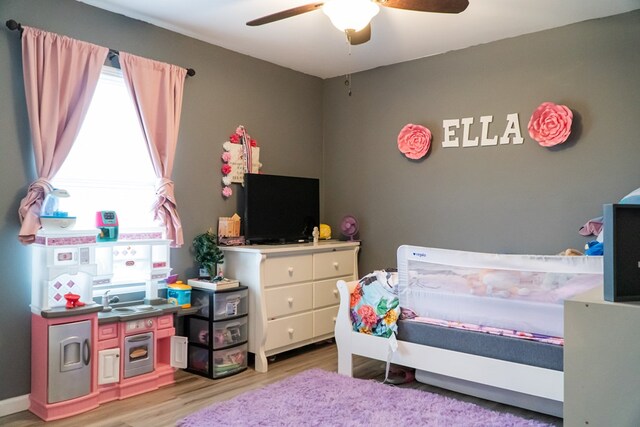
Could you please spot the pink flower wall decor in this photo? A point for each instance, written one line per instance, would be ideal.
(550, 124)
(226, 169)
(227, 192)
(414, 141)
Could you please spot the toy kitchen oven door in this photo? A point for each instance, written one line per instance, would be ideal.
(138, 347)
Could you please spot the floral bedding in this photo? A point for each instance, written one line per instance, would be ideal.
(374, 304)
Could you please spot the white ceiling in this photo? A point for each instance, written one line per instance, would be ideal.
(309, 43)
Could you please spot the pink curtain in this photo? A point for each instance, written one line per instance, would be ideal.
(157, 89)
(60, 76)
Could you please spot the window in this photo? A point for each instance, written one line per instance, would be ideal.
(109, 167)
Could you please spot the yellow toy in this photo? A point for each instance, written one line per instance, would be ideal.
(325, 232)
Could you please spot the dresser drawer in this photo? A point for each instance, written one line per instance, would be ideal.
(289, 330)
(333, 264)
(288, 269)
(287, 300)
(325, 292)
(324, 321)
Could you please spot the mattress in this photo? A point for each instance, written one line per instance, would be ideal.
(515, 350)
(522, 292)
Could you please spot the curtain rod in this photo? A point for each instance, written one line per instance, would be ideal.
(13, 26)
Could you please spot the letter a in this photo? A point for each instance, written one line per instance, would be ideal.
(513, 128)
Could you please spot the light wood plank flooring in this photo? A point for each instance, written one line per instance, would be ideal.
(165, 406)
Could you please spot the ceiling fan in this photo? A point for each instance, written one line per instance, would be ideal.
(354, 16)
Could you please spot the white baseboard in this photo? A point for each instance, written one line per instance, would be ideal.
(13, 405)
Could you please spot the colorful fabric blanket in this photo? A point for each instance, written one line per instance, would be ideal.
(374, 304)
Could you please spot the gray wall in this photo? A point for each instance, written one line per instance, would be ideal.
(279, 107)
(509, 199)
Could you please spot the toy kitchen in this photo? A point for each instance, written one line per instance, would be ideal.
(86, 353)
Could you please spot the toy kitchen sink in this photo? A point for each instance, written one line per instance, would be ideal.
(135, 310)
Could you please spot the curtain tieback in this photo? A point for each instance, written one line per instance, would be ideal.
(41, 185)
(164, 191)
(36, 192)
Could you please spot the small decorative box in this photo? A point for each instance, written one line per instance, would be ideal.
(229, 226)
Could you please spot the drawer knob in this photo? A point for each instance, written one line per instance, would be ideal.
(290, 330)
(336, 265)
(290, 270)
(290, 300)
(335, 292)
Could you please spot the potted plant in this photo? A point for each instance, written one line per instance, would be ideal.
(208, 254)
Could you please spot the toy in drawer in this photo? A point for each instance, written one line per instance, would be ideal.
(220, 305)
(217, 363)
(217, 335)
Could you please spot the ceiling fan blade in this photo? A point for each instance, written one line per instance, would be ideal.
(285, 14)
(439, 6)
(359, 37)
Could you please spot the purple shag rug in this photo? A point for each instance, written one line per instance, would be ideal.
(320, 398)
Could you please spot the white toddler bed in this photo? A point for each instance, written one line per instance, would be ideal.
(503, 291)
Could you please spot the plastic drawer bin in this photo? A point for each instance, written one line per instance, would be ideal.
(223, 304)
(223, 333)
(199, 360)
(229, 361)
(217, 363)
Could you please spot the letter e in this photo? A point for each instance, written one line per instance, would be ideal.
(448, 133)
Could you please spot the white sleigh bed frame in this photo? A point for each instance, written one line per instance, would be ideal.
(531, 387)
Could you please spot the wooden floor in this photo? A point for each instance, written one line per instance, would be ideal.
(165, 406)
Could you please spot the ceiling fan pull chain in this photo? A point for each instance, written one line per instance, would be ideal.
(347, 82)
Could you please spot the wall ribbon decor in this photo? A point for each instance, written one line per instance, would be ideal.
(241, 155)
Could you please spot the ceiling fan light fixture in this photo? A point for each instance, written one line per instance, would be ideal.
(350, 14)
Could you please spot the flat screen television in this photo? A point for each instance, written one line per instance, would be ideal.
(279, 209)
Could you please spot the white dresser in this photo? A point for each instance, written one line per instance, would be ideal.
(293, 299)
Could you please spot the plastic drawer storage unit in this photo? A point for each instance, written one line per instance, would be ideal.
(218, 332)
